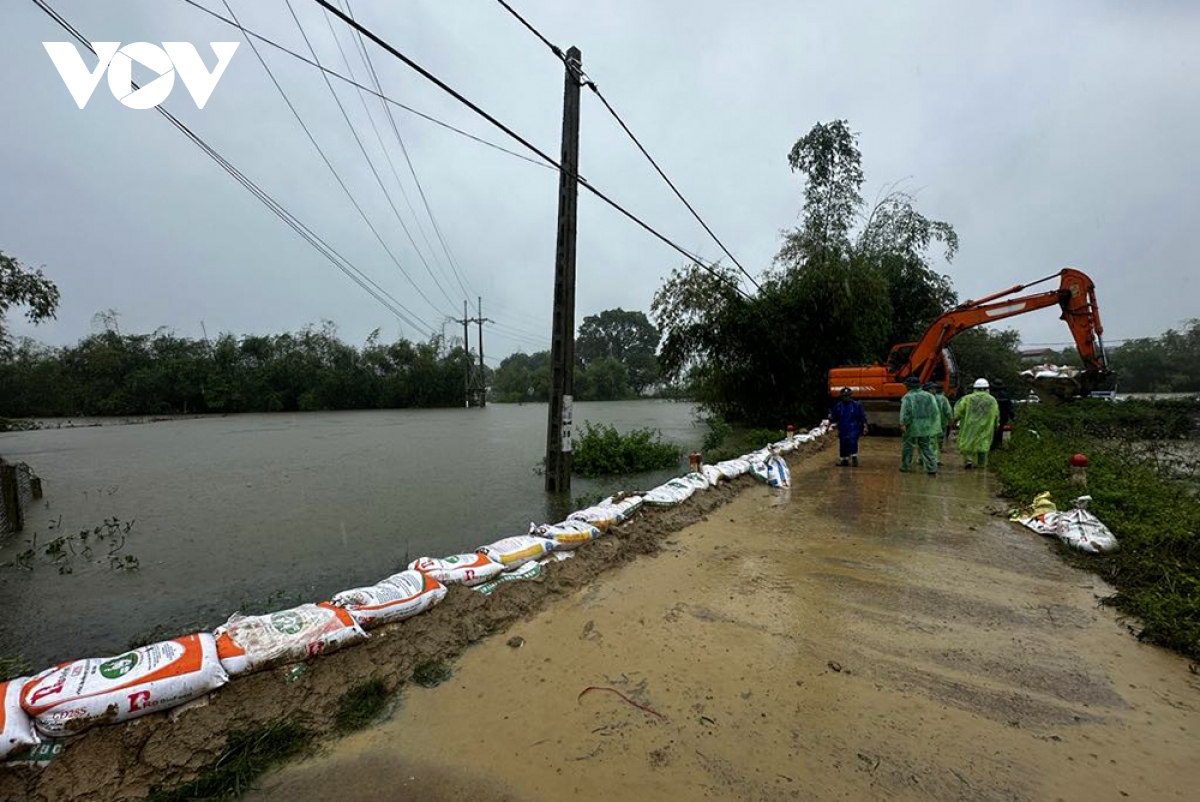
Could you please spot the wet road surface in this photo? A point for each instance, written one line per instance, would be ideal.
(871, 636)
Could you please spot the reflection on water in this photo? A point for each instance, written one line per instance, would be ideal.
(250, 511)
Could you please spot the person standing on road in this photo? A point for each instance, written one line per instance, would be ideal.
(1008, 413)
(920, 421)
(947, 417)
(977, 415)
(851, 421)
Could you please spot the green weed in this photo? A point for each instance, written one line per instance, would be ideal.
(13, 666)
(431, 674)
(361, 705)
(248, 755)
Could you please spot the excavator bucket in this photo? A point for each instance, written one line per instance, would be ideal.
(1054, 384)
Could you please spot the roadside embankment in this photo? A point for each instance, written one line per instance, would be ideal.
(1137, 480)
(166, 750)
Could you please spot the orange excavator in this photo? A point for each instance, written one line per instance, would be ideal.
(880, 387)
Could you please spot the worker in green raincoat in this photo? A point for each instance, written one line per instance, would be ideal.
(978, 415)
(947, 412)
(920, 421)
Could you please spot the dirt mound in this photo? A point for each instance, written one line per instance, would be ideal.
(124, 762)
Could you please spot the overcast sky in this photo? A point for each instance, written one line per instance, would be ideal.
(1049, 134)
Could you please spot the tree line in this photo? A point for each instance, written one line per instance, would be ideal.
(114, 373)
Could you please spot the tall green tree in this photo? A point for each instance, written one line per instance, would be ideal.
(20, 286)
(843, 288)
(982, 353)
(627, 337)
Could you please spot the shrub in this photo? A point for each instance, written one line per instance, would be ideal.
(603, 451)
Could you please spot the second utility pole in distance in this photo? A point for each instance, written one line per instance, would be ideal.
(562, 342)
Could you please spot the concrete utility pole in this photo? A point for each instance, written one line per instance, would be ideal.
(562, 342)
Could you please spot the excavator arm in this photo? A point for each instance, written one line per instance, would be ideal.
(1075, 296)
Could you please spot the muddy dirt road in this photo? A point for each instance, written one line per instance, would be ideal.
(875, 635)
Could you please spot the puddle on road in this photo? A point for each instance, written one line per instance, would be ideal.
(876, 636)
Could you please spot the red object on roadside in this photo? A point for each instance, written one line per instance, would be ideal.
(1079, 461)
(791, 431)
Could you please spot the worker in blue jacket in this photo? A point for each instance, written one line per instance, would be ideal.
(851, 421)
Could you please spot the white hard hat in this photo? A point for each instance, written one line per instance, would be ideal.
(981, 384)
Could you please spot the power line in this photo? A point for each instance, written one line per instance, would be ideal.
(589, 83)
(517, 137)
(366, 56)
(596, 90)
(344, 79)
(555, 49)
(315, 241)
(371, 164)
(391, 164)
(337, 176)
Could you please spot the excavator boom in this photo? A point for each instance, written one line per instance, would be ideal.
(880, 387)
(1076, 296)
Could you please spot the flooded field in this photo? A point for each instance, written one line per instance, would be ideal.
(253, 512)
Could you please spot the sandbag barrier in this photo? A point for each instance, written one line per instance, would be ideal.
(72, 697)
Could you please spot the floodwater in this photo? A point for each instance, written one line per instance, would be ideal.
(255, 512)
(872, 635)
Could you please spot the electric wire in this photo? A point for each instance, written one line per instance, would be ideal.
(588, 82)
(333, 74)
(391, 165)
(526, 143)
(364, 281)
(371, 164)
(325, 158)
(366, 57)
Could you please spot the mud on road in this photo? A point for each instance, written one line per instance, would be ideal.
(873, 636)
(127, 761)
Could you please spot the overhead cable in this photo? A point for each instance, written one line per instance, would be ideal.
(526, 143)
(364, 281)
(333, 74)
(589, 83)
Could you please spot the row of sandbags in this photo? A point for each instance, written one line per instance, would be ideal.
(74, 696)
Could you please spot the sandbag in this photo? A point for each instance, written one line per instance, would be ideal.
(778, 473)
(712, 474)
(529, 570)
(248, 643)
(16, 727)
(697, 480)
(733, 468)
(670, 493)
(396, 598)
(515, 551)
(460, 569)
(1041, 516)
(568, 534)
(600, 516)
(73, 696)
(1082, 530)
(626, 506)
